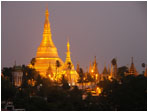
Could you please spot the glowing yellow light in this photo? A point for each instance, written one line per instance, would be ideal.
(52, 78)
(31, 82)
(47, 58)
(49, 76)
(110, 77)
(98, 90)
(92, 70)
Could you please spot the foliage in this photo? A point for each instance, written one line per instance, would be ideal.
(143, 65)
(33, 60)
(114, 61)
(90, 78)
(122, 70)
(81, 76)
(7, 72)
(7, 89)
(58, 63)
(128, 94)
(65, 84)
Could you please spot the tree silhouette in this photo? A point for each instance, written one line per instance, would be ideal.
(57, 67)
(69, 69)
(113, 61)
(7, 89)
(65, 84)
(143, 66)
(90, 78)
(121, 71)
(7, 72)
(33, 60)
(81, 77)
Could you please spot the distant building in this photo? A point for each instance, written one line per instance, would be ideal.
(93, 70)
(105, 74)
(9, 106)
(132, 69)
(17, 76)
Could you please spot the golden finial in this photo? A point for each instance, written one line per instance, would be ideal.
(95, 59)
(46, 12)
(132, 59)
(15, 63)
(68, 44)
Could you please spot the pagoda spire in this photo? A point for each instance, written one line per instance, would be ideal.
(95, 69)
(105, 70)
(132, 59)
(47, 36)
(90, 68)
(78, 68)
(108, 69)
(68, 57)
(132, 70)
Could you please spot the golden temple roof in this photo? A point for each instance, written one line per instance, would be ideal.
(132, 70)
(46, 52)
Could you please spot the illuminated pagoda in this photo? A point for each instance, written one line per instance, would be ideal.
(68, 68)
(105, 74)
(132, 69)
(47, 54)
(93, 70)
(47, 61)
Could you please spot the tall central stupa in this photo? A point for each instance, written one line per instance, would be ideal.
(47, 54)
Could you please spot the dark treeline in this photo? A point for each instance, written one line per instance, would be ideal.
(130, 93)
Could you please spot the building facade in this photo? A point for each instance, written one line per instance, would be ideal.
(17, 76)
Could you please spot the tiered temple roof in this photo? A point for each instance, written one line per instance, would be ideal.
(132, 70)
(47, 52)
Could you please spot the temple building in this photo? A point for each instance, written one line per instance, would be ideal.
(68, 68)
(47, 53)
(93, 70)
(17, 76)
(132, 69)
(105, 74)
(47, 61)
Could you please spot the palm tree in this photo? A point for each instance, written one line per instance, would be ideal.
(33, 60)
(114, 63)
(81, 76)
(143, 66)
(69, 68)
(90, 78)
(57, 65)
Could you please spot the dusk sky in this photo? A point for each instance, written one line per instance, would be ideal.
(102, 29)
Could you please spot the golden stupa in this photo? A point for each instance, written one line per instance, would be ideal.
(68, 68)
(47, 54)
